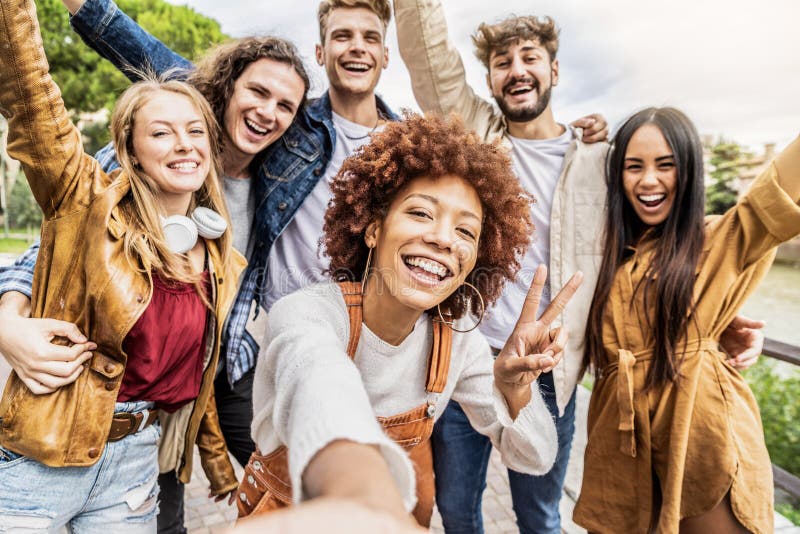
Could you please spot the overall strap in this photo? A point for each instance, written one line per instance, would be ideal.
(351, 291)
(439, 360)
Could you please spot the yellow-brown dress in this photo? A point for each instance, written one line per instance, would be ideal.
(688, 443)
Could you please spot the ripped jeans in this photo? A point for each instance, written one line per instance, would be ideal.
(117, 494)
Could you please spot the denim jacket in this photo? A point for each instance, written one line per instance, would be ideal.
(288, 170)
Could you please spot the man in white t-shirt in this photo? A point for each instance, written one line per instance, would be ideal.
(566, 176)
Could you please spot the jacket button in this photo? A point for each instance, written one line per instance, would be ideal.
(318, 171)
(110, 386)
(139, 299)
(282, 206)
(293, 143)
(94, 452)
(109, 368)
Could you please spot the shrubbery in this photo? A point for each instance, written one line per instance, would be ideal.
(779, 400)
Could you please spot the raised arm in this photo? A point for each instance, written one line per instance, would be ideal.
(116, 37)
(787, 168)
(434, 64)
(768, 214)
(40, 134)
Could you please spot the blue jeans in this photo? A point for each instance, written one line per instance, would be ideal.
(460, 461)
(117, 494)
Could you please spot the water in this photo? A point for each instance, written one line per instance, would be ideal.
(777, 301)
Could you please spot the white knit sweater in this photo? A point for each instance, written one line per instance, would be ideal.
(307, 392)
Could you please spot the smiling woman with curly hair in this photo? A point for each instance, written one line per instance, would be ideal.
(426, 223)
(433, 147)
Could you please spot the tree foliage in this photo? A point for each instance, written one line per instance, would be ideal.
(89, 83)
(725, 161)
(23, 211)
(777, 398)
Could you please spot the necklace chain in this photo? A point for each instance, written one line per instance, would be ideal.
(358, 138)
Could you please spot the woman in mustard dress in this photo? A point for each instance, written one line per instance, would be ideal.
(675, 440)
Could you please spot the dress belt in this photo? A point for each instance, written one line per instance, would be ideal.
(124, 424)
(625, 387)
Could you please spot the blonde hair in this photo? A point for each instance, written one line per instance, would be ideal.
(145, 244)
(379, 7)
(489, 37)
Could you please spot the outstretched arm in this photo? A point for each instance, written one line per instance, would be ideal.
(434, 64)
(107, 30)
(769, 212)
(357, 472)
(41, 135)
(308, 395)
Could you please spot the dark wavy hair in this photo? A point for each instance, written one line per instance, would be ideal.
(489, 38)
(218, 70)
(679, 242)
(430, 146)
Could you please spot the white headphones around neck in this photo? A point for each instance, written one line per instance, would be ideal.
(181, 232)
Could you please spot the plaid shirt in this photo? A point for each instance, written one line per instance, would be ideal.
(19, 276)
(238, 346)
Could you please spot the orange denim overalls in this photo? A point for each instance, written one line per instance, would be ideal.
(265, 486)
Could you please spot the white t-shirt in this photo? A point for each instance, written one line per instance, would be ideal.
(295, 260)
(538, 165)
(241, 206)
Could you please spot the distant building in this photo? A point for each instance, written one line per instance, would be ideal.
(749, 171)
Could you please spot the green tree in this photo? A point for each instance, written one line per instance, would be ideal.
(89, 83)
(23, 211)
(726, 158)
(777, 399)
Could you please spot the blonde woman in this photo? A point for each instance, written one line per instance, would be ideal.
(120, 258)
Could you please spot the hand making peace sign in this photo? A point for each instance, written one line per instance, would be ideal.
(533, 347)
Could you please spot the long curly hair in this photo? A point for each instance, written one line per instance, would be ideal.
(217, 71)
(431, 146)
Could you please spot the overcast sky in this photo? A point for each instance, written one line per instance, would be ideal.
(733, 66)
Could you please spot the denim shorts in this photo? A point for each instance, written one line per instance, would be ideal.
(117, 494)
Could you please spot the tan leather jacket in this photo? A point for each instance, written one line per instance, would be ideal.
(578, 213)
(82, 274)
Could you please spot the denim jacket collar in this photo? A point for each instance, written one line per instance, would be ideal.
(320, 110)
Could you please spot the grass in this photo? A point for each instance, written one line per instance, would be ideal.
(13, 245)
(789, 512)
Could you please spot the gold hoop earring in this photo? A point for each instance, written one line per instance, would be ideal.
(480, 317)
(366, 271)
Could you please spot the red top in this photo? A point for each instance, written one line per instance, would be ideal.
(166, 347)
